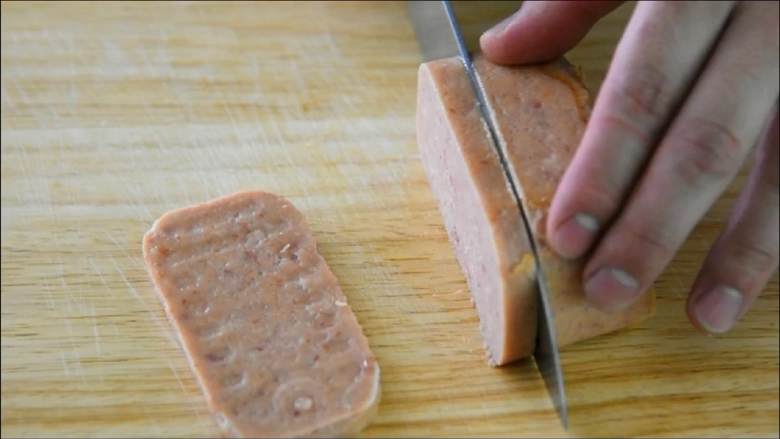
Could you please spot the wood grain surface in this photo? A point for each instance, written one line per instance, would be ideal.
(113, 113)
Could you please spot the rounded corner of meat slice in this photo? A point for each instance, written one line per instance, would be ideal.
(262, 319)
(481, 219)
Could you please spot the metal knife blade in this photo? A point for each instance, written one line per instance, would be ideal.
(439, 36)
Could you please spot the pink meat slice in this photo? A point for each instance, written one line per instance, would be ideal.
(262, 319)
(479, 213)
(544, 111)
(541, 113)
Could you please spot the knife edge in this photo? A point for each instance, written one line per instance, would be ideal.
(546, 353)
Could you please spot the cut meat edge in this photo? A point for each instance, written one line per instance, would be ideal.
(508, 316)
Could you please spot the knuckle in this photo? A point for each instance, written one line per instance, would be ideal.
(765, 16)
(643, 94)
(658, 245)
(708, 151)
(758, 257)
(618, 122)
(598, 191)
(599, 199)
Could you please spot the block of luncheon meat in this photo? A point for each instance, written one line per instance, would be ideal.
(541, 112)
(264, 324)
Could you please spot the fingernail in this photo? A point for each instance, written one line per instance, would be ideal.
(573, 238)
(717, 309)
(612, 289)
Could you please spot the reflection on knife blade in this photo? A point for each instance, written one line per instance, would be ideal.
(439, 36)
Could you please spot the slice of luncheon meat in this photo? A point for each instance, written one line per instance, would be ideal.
(262, 319)
(541, 112)
(479, 213)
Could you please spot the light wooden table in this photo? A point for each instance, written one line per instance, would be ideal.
(113, 113)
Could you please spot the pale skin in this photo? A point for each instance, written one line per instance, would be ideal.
(691, 91)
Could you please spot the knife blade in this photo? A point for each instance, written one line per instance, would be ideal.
(439, 36)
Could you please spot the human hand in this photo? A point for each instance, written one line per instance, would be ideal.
(692, 88)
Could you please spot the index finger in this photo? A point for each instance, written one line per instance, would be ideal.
(542, 30)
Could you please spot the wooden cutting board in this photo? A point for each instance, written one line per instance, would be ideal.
(114, 113)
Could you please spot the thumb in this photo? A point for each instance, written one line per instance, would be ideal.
(542, 30)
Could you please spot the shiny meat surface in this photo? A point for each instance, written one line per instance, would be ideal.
(263, 321)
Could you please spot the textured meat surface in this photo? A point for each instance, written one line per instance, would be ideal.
(262, 319)
(541, 114)
(479, 212)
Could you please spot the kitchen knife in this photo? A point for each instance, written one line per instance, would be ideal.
(438, 34)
